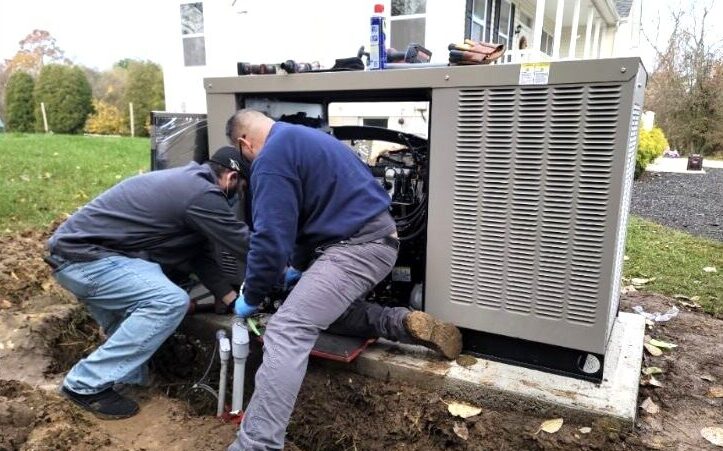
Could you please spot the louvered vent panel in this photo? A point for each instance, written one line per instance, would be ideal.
(466, 195)
(559, 201)
(595, 166)
(526, 201)
(495, 197)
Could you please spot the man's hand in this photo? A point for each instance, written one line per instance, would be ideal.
(242, 309)
(224, 305)
(291, 277)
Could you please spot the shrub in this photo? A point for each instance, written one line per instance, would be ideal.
(19, 102)
(651, 145)
(107, 120)
(145, 89)
(67, 96)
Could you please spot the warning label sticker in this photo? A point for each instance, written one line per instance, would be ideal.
(534, 73)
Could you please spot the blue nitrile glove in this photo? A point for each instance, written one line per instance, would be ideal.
(291, 276)
(242, 309)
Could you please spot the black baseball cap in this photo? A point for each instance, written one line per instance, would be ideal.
(230, 158)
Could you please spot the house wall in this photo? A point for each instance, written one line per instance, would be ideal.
(268, 31)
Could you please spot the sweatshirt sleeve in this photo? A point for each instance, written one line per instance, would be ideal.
(275, 213)
(210, 214)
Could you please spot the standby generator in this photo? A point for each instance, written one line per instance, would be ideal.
(511, 202)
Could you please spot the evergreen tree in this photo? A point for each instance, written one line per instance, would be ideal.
(67, 96)
(19, 102)
(145, 89)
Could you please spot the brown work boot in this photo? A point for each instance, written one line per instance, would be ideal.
(444, 338)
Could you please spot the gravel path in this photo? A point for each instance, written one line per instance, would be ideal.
(689, 202)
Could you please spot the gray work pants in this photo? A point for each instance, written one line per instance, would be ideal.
(329, 293)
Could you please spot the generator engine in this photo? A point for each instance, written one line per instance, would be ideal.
(403, 172)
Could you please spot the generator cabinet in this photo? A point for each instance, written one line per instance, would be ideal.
(530, 174)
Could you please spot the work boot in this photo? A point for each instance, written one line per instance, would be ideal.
(444, 338)
(108, 404)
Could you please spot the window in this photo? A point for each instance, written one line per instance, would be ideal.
(194, 44)
(479, 18)
(408, 23)
(506, 19)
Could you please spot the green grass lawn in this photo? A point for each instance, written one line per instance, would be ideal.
(676, 260)
(44, 176)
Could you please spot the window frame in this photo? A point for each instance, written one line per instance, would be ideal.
(188, 36)
(506, 27)
(403, 17)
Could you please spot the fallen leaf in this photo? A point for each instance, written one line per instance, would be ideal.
(715, 392)
(695, 298)
(709, 269)
(654, 382)
(463, 410)
(713, 435)
(662, 344)
(682, 296)
(653, 350)
(691, 305)
(24, 178)
(585, 430)
(14, 276)
(652, 370)
(5, 304)
(626, 258)
(708, 377)
(628, 289)
(461, 430)
(641, 281)
(551, 426)
(45, 285)
(649, 406)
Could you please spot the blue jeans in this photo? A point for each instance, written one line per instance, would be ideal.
(137, 307)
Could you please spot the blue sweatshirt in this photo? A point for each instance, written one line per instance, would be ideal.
(308, 189)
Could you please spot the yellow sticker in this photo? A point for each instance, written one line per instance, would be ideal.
(534, 73)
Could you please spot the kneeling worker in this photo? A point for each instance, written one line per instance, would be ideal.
(114, 253)
(316, 205)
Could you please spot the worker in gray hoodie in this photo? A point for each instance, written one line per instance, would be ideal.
(116, 252)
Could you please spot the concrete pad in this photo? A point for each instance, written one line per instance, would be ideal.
(502, 385)
(498, 385)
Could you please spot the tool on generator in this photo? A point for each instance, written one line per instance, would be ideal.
(414, 54)
(292, 67)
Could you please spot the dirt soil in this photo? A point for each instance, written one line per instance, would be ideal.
(43, 331)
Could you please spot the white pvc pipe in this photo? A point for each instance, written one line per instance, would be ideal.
(224, 350)
(239, 350)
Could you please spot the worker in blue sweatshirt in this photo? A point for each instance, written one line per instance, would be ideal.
(315, 206)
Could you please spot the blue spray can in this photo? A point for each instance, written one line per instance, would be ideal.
(378, 50)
